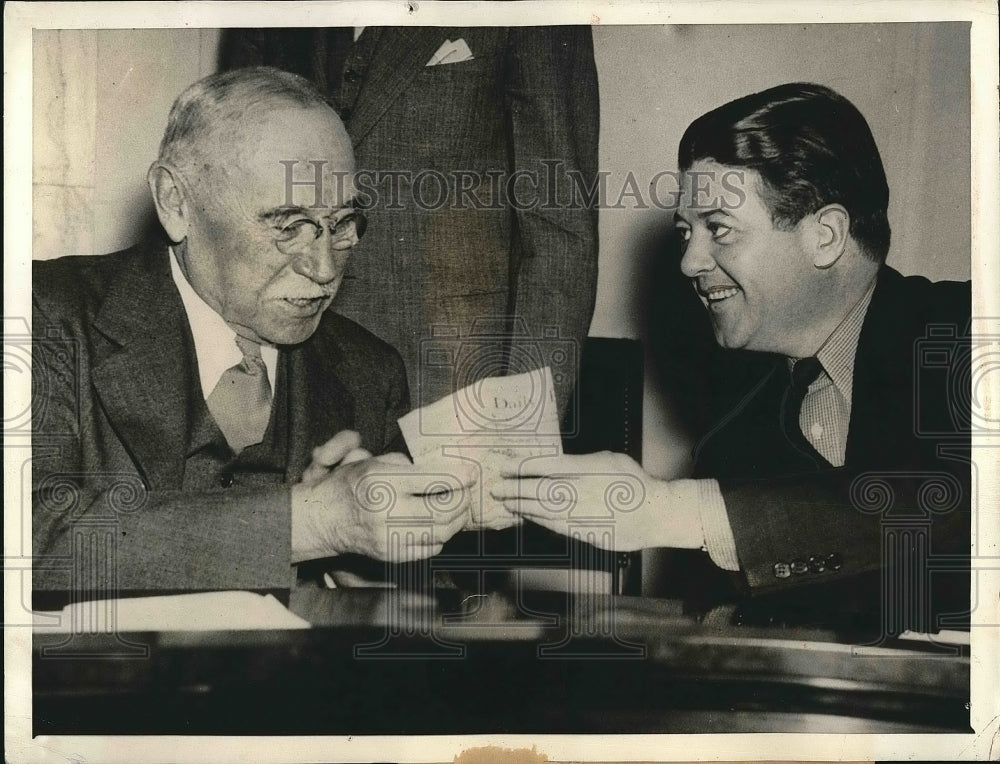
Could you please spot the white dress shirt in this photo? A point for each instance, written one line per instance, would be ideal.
(214, 340)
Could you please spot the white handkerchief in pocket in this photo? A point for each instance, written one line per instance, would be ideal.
(451, 53)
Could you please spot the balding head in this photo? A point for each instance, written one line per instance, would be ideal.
(210, 114)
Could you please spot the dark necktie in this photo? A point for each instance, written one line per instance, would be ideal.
(241, 401)
(804, 373)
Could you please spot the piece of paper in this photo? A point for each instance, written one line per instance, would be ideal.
(491, 423)
(203, 611)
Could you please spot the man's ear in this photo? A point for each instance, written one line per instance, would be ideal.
(831, 231)
(170, 200)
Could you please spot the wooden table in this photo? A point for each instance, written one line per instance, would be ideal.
(388, 662)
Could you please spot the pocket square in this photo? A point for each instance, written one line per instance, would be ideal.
(451, 53)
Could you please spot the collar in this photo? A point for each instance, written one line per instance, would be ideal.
(838, 352)
(214, 340)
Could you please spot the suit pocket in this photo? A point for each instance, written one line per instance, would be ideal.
(449, 116)
(470, 70)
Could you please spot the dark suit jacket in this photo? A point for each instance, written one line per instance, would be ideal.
(906, 477)
(529, 95)
(117, 406)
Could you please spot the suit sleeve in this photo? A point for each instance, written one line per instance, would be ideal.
(844, 523)
(97, 527)
(553, 124)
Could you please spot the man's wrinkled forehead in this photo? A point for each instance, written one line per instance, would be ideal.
(293, 156)
(316, 183)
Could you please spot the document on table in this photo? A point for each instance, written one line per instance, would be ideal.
(203, 611)
(492, 423)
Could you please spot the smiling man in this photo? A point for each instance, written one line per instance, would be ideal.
(826, 473)
(201, 420)
(767, 288)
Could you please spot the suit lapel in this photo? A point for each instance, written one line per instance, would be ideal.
(319, 404)
(140, 376)
(401, 54)
(713, 454)
(882, 403)
(143, 379)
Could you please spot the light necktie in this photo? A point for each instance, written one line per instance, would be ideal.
(805, 371)
(241, 401)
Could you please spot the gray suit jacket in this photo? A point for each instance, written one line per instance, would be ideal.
(528, 101)
(114, 408)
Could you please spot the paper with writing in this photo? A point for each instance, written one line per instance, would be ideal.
(489, 423)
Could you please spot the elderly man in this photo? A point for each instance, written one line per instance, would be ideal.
(196, 400)
(847, 457)
(475, 108)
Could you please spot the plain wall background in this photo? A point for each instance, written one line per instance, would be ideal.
(102, 97)
(101, 100)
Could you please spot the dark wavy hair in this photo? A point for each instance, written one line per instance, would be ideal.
(810, 146)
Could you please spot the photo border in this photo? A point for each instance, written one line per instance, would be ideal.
(22, 18)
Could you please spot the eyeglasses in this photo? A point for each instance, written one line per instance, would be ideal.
(345, 228)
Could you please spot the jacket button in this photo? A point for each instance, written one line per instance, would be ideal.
(226, 479)
(799, 567)
(782, 570)
(351, 76)
(817, 564)
(834, 561)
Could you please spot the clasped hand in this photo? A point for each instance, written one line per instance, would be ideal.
(382, 507)
(572, 495)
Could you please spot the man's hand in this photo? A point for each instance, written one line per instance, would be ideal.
(382, 507)
(342, 448)
(570, 493)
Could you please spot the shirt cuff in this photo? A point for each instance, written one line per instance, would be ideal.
(719, 541)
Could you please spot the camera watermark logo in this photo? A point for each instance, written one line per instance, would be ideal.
(52, 363)
(958, 365)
